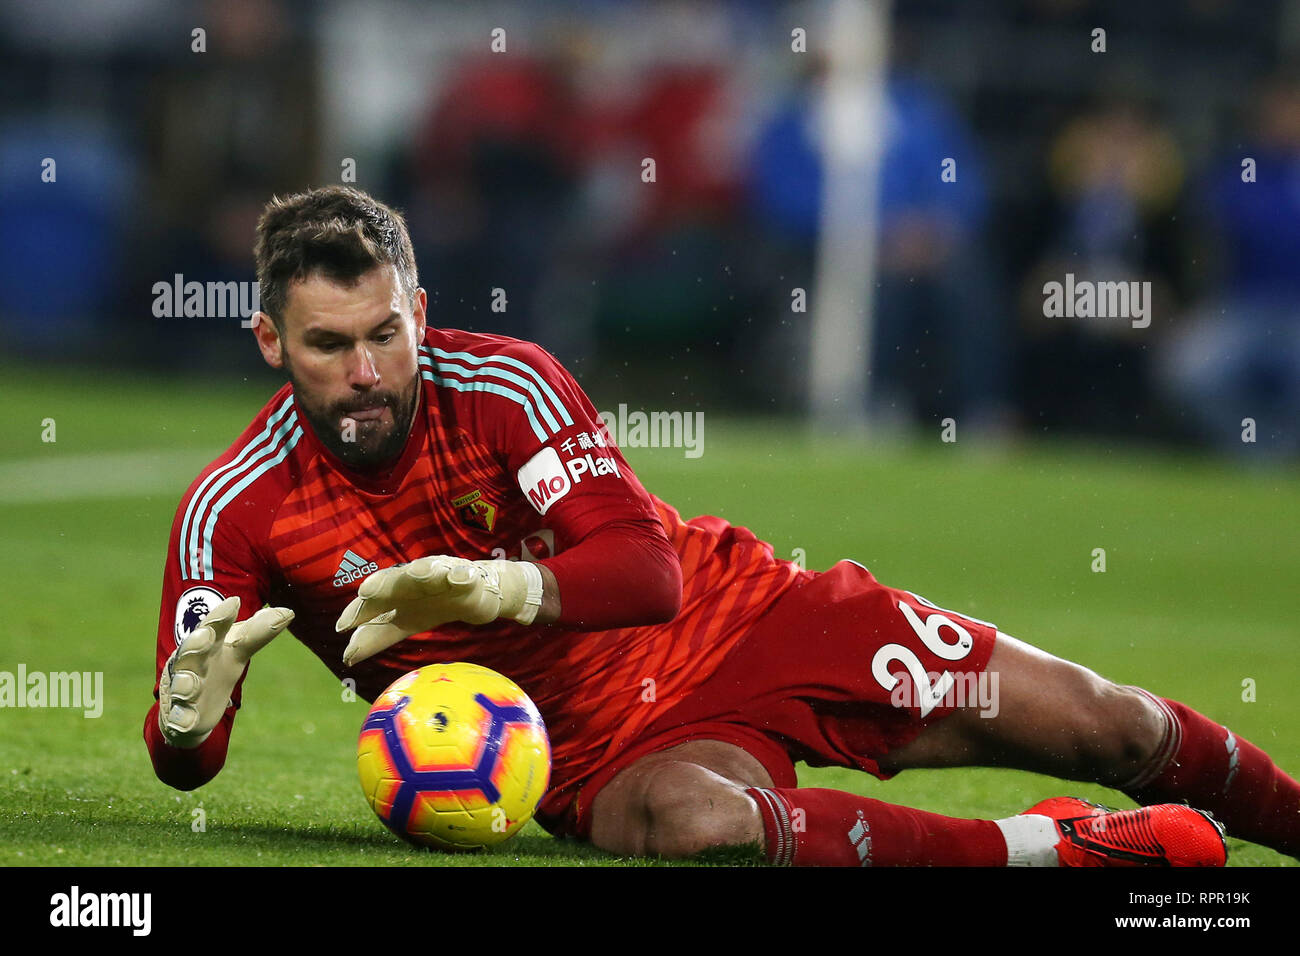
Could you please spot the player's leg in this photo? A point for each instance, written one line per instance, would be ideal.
(1059, 718)
(681, 801)
(1050, 716)
(706, 794)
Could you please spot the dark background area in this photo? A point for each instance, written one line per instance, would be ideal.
(521, 170)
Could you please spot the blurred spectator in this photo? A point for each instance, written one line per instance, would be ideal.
(941, 347)
(674, 248)
(1237, 357)
(222, 131)
(60, 236)
(1115, 176)
(525, 174)
(494, 175)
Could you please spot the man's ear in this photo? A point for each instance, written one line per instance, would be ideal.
(421, 303)
(268, 339)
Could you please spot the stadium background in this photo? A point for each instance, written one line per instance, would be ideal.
(522, 171)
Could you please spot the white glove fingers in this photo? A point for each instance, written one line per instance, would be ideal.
(181, 719)
(462, 576)
(220, 618)
(433, 568)
(195, 650)
(249, 637)
(369, 639)
(429, 592)
(422, 578)
(198, 649)
(359, 611)
(383, 590)
(378, 586)
(185, 686)
(362, 614)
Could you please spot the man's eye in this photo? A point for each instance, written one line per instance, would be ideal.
(330, 346)
(385, 337)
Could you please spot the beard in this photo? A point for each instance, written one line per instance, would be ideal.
(365, 445)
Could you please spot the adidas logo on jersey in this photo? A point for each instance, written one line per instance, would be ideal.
(353, 567)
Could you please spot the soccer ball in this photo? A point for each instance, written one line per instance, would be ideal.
(454, 756)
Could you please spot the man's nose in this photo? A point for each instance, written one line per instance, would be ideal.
(362, 372)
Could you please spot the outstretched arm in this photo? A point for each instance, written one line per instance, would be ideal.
(202, 648)
(617, 579)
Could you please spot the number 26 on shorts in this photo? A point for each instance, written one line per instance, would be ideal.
(928, 694)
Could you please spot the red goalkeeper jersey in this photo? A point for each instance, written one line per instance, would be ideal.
(506, 458)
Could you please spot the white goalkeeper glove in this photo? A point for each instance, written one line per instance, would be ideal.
(395, 603)
(195, 685)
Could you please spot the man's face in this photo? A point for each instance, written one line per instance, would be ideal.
(351, 353)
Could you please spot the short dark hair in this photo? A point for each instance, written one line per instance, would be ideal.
(338, 231)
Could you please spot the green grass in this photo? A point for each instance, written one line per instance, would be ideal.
(1201, 564)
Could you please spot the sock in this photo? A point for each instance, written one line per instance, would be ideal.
(815, 827)
(1031, 840)
(1207, 766)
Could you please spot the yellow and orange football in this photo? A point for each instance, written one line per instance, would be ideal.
(454, 756)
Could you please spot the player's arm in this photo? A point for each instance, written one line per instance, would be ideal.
(617, 567)
(203, 647)
(614, 566)
(624, 573)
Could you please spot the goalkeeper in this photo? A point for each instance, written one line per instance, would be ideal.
(416, 495)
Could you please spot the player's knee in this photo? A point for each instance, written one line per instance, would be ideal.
(1119, 731)
(690, 809)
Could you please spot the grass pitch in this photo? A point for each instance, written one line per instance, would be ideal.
(1195, 603)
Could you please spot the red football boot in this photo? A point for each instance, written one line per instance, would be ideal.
(1167, 834)
(1067, 808)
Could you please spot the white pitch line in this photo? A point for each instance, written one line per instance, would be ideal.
(59, 477)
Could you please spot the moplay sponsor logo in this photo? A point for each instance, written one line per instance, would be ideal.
(592, 465)
(77, 690)
(545, 479)
(75, 908)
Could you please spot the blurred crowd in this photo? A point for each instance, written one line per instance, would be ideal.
(1173, 157)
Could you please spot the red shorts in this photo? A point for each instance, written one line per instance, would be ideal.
(839, 672)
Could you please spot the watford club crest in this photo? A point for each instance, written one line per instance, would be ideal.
(474, 511)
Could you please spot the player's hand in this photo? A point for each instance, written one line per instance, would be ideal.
(395, 603)
(196, 682)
